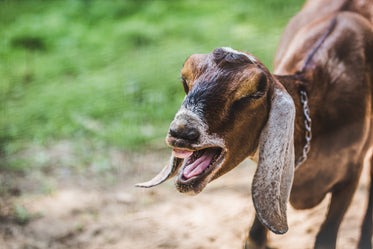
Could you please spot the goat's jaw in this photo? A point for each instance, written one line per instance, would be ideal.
(199, 168)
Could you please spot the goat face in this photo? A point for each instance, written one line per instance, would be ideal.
(226, 117)
(215, 128)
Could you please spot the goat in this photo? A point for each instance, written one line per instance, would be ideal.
(235, 109)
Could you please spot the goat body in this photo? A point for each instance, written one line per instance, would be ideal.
(236, 109)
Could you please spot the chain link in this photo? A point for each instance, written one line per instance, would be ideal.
(307, 125)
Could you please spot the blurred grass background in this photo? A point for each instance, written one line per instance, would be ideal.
(105, 74)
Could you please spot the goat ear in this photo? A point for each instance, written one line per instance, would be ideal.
(274, 175)
(167, 172)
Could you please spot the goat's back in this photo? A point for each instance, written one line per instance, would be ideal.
(316, 11)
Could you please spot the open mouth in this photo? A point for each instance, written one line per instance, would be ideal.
(198, 164)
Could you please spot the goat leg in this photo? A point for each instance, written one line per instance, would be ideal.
(257, 238)
(366, 229)
(341, 199)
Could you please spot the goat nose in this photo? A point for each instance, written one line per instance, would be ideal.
(182, 130)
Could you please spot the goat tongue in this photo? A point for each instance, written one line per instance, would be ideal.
(181, 153)
(198, 166)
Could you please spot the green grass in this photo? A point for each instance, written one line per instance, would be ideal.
(108, 71)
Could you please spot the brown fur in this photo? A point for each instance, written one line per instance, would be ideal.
(234, 104)
(339, 85)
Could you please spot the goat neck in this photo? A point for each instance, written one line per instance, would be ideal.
(293, 85)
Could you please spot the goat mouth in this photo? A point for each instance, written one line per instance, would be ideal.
(198, 164)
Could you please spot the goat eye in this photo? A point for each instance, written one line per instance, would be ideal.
(245, 99)
(185, 85)
(249, 98)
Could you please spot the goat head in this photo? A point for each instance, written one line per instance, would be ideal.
(233, 109)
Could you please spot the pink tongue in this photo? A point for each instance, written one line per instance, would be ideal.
(181, 153)
(198, 166)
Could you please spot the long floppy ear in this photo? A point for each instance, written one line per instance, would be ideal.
(167, 172)
(274, 175)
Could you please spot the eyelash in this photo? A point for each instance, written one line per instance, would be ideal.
(248, 98)
(185, 85)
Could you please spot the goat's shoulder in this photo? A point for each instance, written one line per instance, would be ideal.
(339, 68)
(334, 54)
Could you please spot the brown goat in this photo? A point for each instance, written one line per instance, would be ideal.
(235, 108)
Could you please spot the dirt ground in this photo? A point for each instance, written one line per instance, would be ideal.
(119, 216)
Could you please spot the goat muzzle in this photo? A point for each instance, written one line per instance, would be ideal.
(196, 155)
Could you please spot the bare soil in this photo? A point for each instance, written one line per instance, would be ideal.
(84, 214)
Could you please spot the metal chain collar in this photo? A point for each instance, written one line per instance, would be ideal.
(307, 125)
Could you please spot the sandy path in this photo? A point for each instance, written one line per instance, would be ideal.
(126, 217)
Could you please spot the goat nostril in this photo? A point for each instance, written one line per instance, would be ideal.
(192, 134)
(185, 133)
(173, 132)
